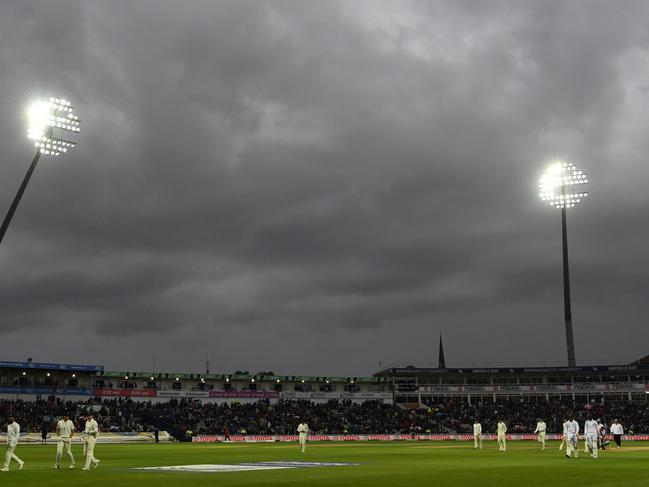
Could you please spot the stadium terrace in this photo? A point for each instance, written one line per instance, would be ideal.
(415, 385)
(406, 385)
(29, 380)
(421, 402)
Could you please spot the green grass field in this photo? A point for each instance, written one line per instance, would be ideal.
(381, 464)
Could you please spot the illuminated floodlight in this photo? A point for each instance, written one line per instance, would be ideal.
(560, 186)
(560, 183)
(51, 122)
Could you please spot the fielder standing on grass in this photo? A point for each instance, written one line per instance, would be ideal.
(13, 433)
(65, 431)
(540, 432)
(91, 431)
(501, 432)
(302, 431)
(477, 435)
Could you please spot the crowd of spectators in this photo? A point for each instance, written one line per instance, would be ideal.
(333, 417)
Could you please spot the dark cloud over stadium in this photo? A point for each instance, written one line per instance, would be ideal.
(314, 187)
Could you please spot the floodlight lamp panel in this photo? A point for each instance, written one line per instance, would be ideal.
(557, 185)
(49, 120)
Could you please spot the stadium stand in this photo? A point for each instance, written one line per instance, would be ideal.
(402, 399)
(334, 417)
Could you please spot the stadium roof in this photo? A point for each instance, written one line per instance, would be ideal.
(643, 362)
(51, 366)
(246, 377)
(426, 368)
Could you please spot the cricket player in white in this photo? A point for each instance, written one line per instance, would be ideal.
(91, 432)
(564, 435)
(540, 432)
(303, 431)
(13, 433)
(65, 431)
(591, 431)
(477, 435)
(572, 437)
(501, 432)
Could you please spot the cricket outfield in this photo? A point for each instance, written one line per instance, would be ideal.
(395, 464)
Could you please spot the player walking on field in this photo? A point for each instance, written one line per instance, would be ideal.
(540, 432)
(501, 435)
(572, 438)
(591, 432)
(477, 435)
(65, 432)
(91, 432)
(13, 433)
(564, 435)
(302, 431)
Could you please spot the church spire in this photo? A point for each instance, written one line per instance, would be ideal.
(442, 362)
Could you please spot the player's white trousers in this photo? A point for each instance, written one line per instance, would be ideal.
(302, 440)
(541, 439)
(477, 441)
(591, 441)
(572, 446)
(90, 451)
(64, 443)
(502, 442)
(10, 455)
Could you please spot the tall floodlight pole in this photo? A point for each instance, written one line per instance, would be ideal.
(51, 122)
(558, 187)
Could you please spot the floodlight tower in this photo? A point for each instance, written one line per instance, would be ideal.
(558, 187)
(51, 122)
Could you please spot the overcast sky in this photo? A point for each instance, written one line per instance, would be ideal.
(314, 187)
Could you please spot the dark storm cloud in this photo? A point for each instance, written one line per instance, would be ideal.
(282, 183)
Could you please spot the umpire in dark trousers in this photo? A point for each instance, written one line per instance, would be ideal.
(617, 431)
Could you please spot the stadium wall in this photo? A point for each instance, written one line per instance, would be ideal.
(82, 394)
(35, 438)
(381, 437)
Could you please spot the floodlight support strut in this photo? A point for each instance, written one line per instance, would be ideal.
(19, 195)
(566, 292)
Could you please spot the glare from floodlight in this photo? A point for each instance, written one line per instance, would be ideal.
(50, 123)
(559, 183)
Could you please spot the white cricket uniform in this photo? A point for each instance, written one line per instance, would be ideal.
(540, 431)
(477, 435)
(600, 435)
(65, 430)
(572, 433)
(591, 433)
(564, 435)
(91, 432)
(13, 434)
(501, 432)
(303, 431)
